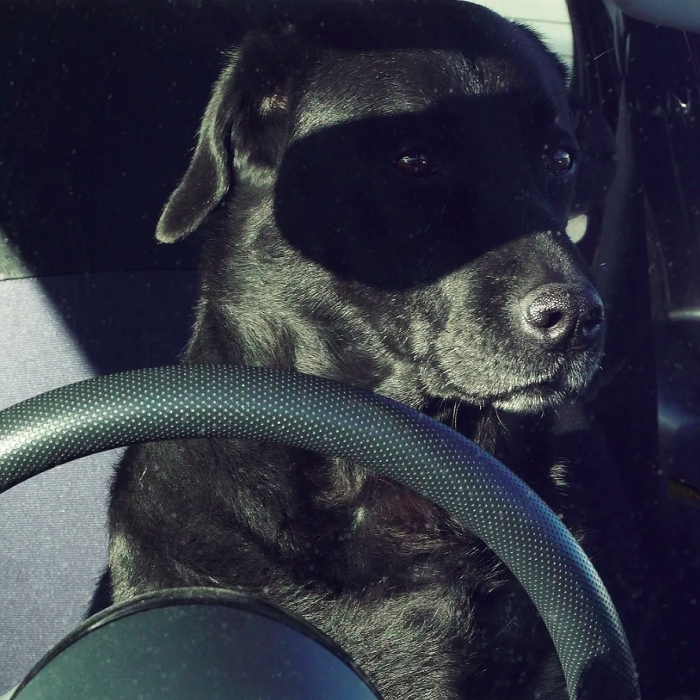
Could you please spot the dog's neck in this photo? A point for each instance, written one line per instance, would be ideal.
(264, 338)
(253, 313)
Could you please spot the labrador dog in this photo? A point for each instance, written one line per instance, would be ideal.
(382, 190)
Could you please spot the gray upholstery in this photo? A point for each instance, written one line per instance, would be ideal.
(52, 528)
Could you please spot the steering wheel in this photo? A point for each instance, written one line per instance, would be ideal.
(200, 401)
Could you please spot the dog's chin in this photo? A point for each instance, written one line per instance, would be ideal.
(531, 399)
(539, 395)
(535, 392)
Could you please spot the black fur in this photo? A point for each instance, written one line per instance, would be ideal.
(324, 254)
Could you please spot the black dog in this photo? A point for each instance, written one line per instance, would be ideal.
(383, 188)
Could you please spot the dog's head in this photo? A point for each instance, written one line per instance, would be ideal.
(385, 187)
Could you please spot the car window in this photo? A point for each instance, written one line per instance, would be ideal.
(550, 19)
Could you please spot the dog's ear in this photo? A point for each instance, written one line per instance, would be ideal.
(245, 125)
(208, 176)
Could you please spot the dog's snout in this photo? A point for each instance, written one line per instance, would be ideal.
(562, 317)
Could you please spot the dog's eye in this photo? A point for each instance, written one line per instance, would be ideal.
(561, 161)
(414, 163)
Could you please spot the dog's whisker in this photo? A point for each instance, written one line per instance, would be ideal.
(455, 413)
(500, 420)
(503, 629)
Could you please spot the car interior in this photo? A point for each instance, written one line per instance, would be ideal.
(99, 100)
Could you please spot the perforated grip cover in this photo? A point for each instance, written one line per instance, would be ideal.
(333, 419)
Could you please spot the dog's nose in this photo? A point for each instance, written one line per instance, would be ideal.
(563, 317)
